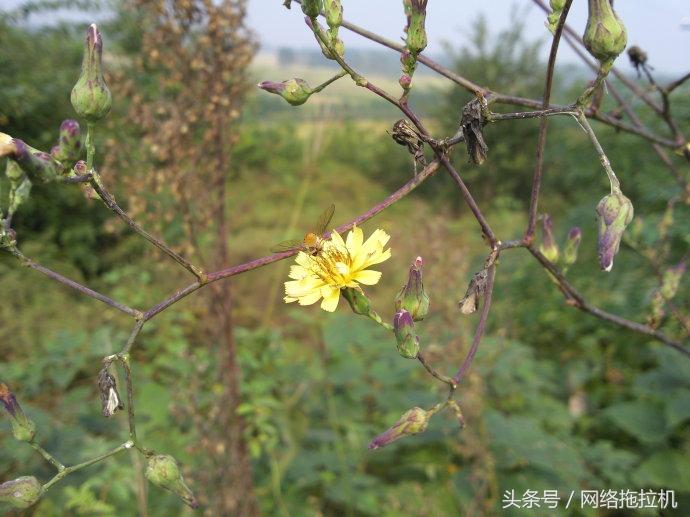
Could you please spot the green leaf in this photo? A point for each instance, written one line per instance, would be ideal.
(666, 469)
(641, 419)
(677, 408)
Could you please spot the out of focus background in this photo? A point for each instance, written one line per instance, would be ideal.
(555, 400)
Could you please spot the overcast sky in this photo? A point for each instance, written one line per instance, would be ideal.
(661, 27)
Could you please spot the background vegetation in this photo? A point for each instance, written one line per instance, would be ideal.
(555, 399)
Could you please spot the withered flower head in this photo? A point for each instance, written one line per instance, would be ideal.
(476, 289)
(110, 398)
(404, 133)
(472, 123)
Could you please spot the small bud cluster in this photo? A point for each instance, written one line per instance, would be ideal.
(555, 15)
(333, 10)
(670, 281)
(415, 40)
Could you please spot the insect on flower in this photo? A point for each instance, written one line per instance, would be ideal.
(312, 243)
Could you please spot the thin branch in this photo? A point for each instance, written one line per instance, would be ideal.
(574, 298)
(521, 115)
(110, 202)
(434, 373)
(68, 470)
(675, 84)
(74, 285)
(481, 326)
(541, 139)
(47, 456)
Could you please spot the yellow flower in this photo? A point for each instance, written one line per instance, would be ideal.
(339, 264)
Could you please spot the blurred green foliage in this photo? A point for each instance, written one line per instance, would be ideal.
(556, 400)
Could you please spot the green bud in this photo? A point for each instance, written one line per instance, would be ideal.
(162, 471)
(358, 301)
(415, 11)
(69, 148)
(412, 296)
(22, 492)
(571, 246)
(413, 421)
(23, 428)
(548, 246)
(333, 10)
(405, 336)
(312, 8)
(294, 91)
(615, 212)
(91, 97)
(605, 36)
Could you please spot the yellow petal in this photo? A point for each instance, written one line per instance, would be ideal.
(367, 277)
(337, 240)
(378, 238)
(288, 299)
(298, 272)
(331, 296)
(377, 258)
(354, 240)
(304, 260)
(310, 298)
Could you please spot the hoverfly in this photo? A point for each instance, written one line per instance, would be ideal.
(312, 243)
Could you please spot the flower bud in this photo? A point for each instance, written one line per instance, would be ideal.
(571, 246)
(413, 421)
(358, 301)
(23, 428)
(8, 238)
(39, 166)
(333, 10)
(162, 471)
(312, 8)
(294, 91)
(416, 39)
(605, 36)
(476, 289)
(91, 97)
(615, 212)
(407, 340)
(548, 246)
(14, 172)
(412, 296)
(69, 147)
(22, 492)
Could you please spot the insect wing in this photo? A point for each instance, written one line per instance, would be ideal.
(324, 220)
(287, 246)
